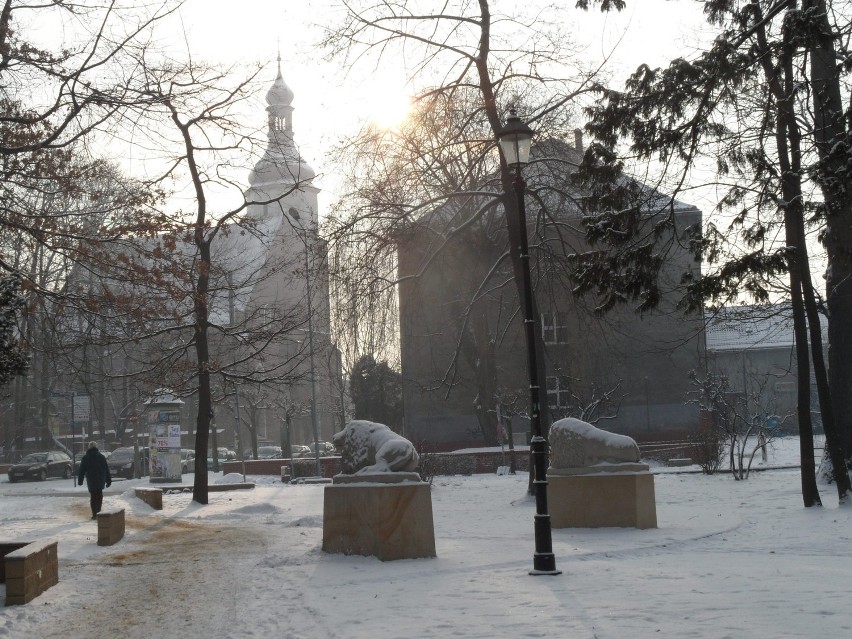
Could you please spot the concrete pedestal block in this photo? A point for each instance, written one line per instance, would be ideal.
(151, 496)
(110, 526)
(30, 570)
(601, 500)
(388, 521)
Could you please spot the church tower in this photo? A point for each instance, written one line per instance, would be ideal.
(282, 205)
(281, 183)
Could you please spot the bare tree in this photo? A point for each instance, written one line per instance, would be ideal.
(203, 106)
(745, 421)
(440, 176)
(56, 99)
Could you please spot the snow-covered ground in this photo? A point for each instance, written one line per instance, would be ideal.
(729, 559)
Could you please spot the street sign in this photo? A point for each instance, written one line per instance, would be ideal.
(82, 410)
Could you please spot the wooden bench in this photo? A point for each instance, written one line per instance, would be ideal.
(110, 526)
(29, 568)
(151, 496)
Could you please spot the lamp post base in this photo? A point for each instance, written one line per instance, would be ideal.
(544, 564)
(553, 573)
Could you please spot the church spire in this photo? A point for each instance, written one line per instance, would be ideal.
(281, 165)
(280, 98)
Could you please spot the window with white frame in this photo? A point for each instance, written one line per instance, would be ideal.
(267, 313)
(552, 329)
(558, 393)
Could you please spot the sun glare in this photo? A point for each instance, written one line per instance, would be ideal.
(387, 108)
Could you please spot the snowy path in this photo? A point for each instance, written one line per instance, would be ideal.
(179, 577)
(730, 559)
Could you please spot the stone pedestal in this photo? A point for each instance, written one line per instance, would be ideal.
(110, 526)
(597, 500)
(386, 520)
(151, 496)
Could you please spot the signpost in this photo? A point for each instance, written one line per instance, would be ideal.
(80, 413)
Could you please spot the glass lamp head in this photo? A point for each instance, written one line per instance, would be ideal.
(515, 140)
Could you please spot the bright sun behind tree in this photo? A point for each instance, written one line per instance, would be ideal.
(384, 104)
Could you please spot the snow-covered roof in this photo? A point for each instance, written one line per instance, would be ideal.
(281, 165)
(749, 328)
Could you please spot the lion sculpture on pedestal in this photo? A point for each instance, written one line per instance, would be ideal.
(368, 448)
(578, 444)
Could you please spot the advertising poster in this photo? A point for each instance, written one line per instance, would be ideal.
(164, 445)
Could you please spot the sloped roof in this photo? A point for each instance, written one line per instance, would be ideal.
(750, 328)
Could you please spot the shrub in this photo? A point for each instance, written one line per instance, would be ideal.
(707, 449)
(428, 464)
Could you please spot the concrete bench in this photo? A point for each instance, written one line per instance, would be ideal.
(29, 568)
(221, 488)
(680, 461)
(151, 496)
(110, 526)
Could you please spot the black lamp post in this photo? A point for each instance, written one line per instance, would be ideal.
(515, 139)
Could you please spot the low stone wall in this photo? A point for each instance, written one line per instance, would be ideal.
(110, 526)
(462, 463)
(302, 467)
(29, 569)
(473, 463)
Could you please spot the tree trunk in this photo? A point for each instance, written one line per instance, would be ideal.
(788, 139)
(202, 352)
(831, 132)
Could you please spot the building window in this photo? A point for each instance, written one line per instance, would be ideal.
(267, 313)
(785, 387)
(558, 394)
(552, 329)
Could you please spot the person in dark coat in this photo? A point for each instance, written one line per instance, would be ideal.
(94, 468)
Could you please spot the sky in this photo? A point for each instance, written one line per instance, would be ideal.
(728, 559)
(332, 102)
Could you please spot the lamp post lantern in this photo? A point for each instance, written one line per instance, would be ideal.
(515, 139)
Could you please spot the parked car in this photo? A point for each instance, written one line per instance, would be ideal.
(269, 452)
(120, 462)
(224, 455)
(300, 450)
(187, 460)
(78, 457)
(41, 466)
(326, 449)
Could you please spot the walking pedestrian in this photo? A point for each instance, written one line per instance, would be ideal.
(94, 468)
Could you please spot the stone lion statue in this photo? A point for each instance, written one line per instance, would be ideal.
(367, 447)
(578, 444)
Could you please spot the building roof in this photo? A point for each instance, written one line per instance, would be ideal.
(749, 328)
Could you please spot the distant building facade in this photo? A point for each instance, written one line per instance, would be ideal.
(269, 280)
(753, 349)
(463, 349)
